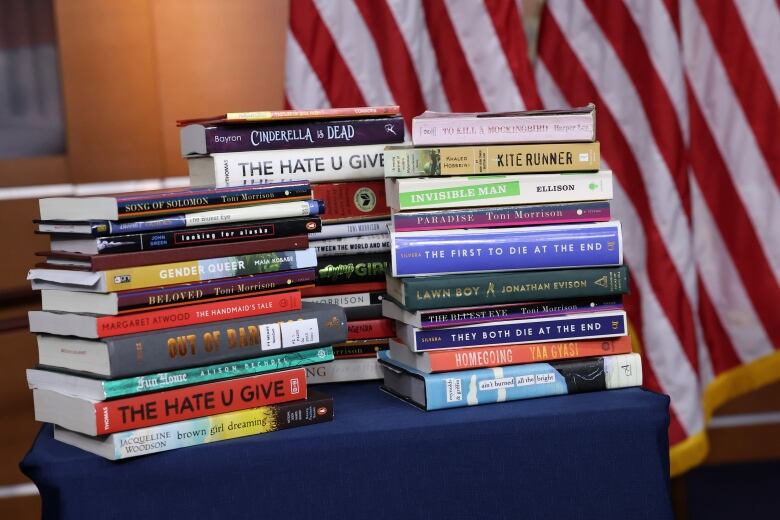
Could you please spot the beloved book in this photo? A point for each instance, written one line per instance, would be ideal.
(98, 262)
(352, 201)
(292, 115)
(535, 126)
(339, 163)
(352, 229)
(496, 356)
(502, 216)
(407, 161)
(124, 302)
(203, 139)
(93, 389)
(509, 383)
(569, 327)
(315, 409)
(352, 245)
(301, 208)
(463, 290)
(169, 201)
(416, 253)
(169, 274)
(354, 268)
(315, 325)
(208, 235)
(91, 326)
(496, 190)
(344, 371)
(91, 418)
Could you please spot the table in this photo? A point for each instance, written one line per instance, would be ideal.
(600, 455)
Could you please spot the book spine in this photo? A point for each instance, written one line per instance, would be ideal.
(346, 289)
(352, 268)
(184, 347)
(207, 269)
(496, 190)
(342, 163)
(515, 382)
(215, 428)
(108, 326)
(356, 299)
(312, 134)
(196, 401)
(355, 229)
(486, 130)
(136, 206)
(160, 381)
(320, 113)
(188, 293)
(360, 348)
(472, 290)
(352, 245)
(352, 200)
(482, 357)
(491, 160)
(206, 235)
(559, 328)
(344, 371)
(502, 216)
(471, 316)
(541, 247)
(370, 329)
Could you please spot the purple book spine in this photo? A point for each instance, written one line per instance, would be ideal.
(245, 138)
(503, 216)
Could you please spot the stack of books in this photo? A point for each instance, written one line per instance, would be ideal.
(340, 151)
(507, 275)
(174, 318)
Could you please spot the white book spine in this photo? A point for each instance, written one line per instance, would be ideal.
(344, 370)
(301, 208)
(352, 245)
(352, 229)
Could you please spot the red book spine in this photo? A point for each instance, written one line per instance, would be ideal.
(344, 288)
(370, 329)
(480, 357)
(199, 401)
(181, 316)
(352, 200)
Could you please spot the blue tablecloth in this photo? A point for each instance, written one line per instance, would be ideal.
(601, 455)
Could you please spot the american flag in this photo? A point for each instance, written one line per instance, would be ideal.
(687, 97)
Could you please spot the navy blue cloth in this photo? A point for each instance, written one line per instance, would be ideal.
(600, 455)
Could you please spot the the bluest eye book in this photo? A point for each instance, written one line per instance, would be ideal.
(509, 383)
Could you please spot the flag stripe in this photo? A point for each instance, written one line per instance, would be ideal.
(762, 20)
(302, 86)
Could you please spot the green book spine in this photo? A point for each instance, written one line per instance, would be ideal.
(463, 290)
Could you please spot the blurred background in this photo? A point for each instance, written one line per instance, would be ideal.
(89, 94)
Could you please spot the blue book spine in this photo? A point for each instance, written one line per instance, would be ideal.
(567, 327)
(508, 249)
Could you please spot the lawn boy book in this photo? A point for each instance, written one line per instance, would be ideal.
(101, 389)
(417, 253)
(407, 161)
(502, 216)
(483, 357)
(100, 418)
(317, 408)
(169, 201)
(463, 290)
(123, 302)
(344, 371)
(509, 383)
(315, 325)
(496, 190)
(127, 278)
(203, 139)
(570, 327)
(92, 326)
(209, 235)
(535, 126)
(339, 163)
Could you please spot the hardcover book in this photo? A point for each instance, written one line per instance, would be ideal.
(315, 409)
(353, 268)
(344, 371)
(370, 329)
(352, 245)
(352, 229)
(356, 200)
(506, 249)
(509, 383)
(359, 348)
(293, 115)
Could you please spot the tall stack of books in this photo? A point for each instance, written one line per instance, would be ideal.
(340, 151)
(507, 275)
(174, 318)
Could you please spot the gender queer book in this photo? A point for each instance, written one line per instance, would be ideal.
(317, 408)
(509, 383)
(418, 253)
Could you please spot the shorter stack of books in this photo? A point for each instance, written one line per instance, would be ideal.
(174, 318)
(507, 273)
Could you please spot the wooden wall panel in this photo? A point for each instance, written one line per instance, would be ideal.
(20, 243)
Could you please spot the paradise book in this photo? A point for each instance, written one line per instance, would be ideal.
(509, 383)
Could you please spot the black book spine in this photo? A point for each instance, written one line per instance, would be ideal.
(356, 268)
